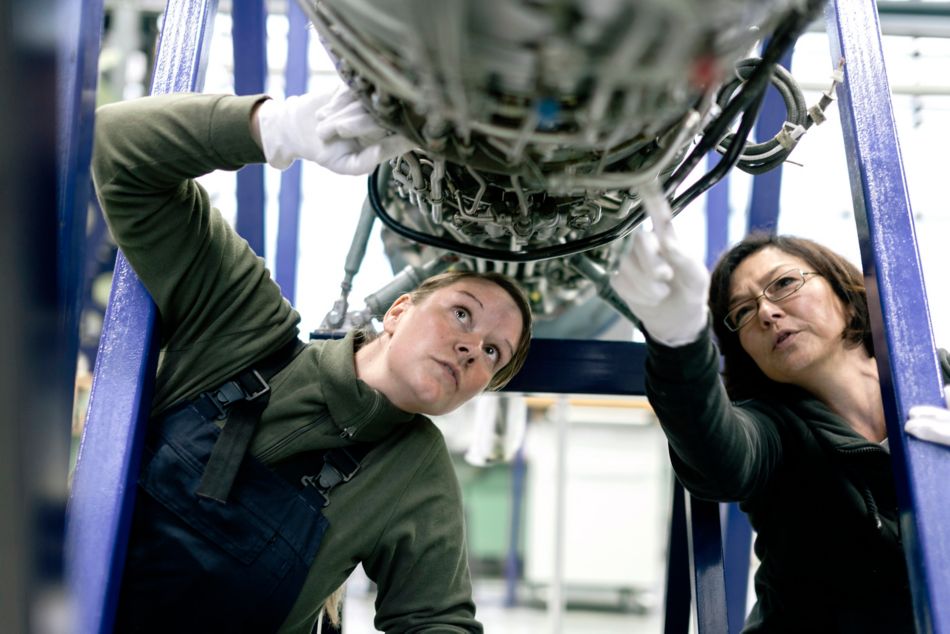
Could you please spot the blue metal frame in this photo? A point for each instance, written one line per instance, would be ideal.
(104, 481)
(737, 530)
(297, 72)
(678, 585)
(80, 38)
(573, 366)
(766, 188)
(764, 207)
(249, 38)
(906, 358)
(705, 558)
(717, 215)
(76, 105)
(737, 553)
(512, 556)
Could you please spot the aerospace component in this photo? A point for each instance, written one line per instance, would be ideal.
(538, 120)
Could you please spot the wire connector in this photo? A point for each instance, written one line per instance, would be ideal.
(789, 135)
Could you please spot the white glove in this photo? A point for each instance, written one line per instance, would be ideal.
(927, 422)
(332, 130)
(663, 285)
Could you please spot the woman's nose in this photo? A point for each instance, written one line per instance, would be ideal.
(769, 311)
(466, 350)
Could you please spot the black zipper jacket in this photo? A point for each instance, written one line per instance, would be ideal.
(820, 496)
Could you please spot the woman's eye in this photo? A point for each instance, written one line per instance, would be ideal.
(491, 351)
(461, 314)
(782, 282)
(741, 313)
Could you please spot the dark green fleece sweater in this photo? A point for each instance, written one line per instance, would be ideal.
(219, 309)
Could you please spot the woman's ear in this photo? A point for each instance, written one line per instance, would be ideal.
(399, 308)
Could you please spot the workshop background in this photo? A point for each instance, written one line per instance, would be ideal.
(617, 496)
(617, 479)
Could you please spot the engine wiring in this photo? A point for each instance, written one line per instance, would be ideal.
(741, 97)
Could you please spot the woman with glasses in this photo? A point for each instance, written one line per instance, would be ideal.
(794, 431)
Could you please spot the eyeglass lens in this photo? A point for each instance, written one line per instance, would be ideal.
(778, 289)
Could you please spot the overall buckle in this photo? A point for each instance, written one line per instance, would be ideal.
(262, 389)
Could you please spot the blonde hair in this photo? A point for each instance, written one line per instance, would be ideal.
(333, 606)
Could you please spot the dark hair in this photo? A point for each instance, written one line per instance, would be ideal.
(741, 375)
(442, 280)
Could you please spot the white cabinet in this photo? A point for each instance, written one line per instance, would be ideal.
(617, 502)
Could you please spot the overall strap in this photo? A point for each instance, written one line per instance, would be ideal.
(241, 400)
(336, 465)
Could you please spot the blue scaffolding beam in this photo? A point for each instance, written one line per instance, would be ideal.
(248, 38)
(296, 75)
(903, 339)
(76, 104)
(103, 489)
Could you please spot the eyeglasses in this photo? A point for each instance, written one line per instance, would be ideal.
(777, 290)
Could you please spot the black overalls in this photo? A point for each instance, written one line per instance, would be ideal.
(225, 546)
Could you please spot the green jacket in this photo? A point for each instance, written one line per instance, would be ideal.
(401, 516)
(820, 496)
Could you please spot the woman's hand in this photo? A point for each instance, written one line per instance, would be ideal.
(333, 130)
(665, 287)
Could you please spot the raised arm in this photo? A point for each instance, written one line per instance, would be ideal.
(718, 450)
(217, 303)
(219, 307)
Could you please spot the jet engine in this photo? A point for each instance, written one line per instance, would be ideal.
(537, 121)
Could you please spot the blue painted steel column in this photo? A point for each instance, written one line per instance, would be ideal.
(80, 39)
(705, 558)
(766, 188)
(737, 545)
(249, 38)
(574, 366)
(76, 105)
(717, 215)
(298, 40)
(764, 205)
(903, 340)
(104, 482)
(513, 556)
(678, 586)
(738, 532)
